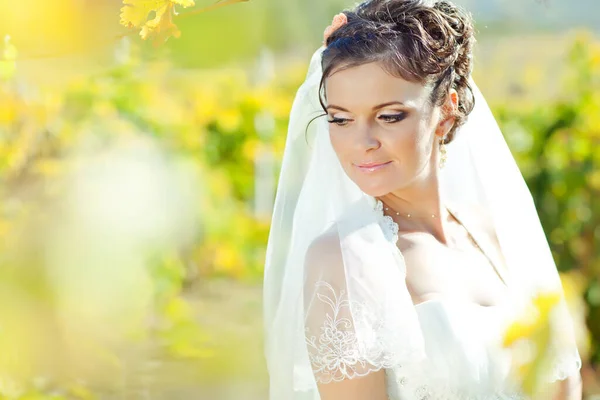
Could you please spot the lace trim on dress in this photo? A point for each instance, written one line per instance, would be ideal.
(389, 226)
(336, 353)
(566, 367)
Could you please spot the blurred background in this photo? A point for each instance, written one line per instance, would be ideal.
(137, 181)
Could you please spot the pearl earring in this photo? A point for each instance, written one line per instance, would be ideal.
(443, 152)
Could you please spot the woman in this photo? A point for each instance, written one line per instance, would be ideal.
(404, 239)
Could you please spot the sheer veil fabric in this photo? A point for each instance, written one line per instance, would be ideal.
(336, 304)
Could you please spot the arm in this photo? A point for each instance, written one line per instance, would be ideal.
(570, 388)
(369, 387)
(333, 348)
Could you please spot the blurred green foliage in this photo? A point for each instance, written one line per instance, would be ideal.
(206, 121)
(557, 144)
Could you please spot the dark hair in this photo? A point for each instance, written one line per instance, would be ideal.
(412, 39)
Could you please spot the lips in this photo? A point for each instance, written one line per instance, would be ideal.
(372, 166)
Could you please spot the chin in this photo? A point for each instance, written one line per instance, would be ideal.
(376, 190)
(380, 187)
(378, 184)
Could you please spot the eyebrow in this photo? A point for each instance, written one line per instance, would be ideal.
(390, 103)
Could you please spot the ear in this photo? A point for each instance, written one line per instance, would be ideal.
(449, 109)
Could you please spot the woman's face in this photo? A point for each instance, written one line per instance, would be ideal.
(382, 128)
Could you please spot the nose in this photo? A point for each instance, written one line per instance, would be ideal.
(367, 138)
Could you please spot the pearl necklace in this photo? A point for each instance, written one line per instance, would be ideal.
(471, 238)
(406, 215)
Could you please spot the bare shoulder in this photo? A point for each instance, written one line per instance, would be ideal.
(477, 218)
(323, 259)
(325, 249)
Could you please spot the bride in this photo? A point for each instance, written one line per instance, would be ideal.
(404, 239)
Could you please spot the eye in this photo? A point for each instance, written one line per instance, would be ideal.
(392, 118)
(339, 121)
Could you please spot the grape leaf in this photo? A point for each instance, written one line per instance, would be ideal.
(134, 14)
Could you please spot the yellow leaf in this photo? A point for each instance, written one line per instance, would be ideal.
(545, 303)
(134, 14)
(161, 27)
(518, 330)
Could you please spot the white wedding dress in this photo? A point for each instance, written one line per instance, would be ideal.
(465, 358)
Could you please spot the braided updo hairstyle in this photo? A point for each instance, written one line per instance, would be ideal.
(424, 41)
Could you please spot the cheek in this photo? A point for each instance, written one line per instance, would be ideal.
(409, 142)
(340, 143)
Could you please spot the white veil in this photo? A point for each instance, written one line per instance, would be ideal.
(362, 292)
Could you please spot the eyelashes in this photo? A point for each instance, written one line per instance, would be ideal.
(387, 118)
(392, 118)
(339, 121)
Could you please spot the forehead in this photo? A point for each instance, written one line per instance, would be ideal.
(369, 85)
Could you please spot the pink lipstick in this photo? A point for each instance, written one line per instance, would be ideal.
(372, 166)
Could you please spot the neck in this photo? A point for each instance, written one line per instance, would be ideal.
(420, 200)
